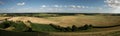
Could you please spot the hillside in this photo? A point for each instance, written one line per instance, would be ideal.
(79, 20)
(86, 19)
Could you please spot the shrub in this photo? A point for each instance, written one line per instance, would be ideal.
(19, 25)
(74, 28)
(6, 24)
(68, 29)
(85, 27)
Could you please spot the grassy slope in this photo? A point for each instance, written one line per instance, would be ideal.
(85, 19)
(115, 33)
(42, 27)
(78, 20)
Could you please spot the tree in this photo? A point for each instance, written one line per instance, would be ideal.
(29, 21)
(56, 27)
(6, 23)
(85, 27)
(90, 26)
(74, 28)
(68, 29)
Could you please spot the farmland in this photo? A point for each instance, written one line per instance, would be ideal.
(41, 23)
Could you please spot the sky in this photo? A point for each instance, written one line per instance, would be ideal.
(59, 6)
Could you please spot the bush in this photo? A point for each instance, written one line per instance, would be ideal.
(19, 25)
(74, 28)
(68, 29)
(85, 27)
(6, 24)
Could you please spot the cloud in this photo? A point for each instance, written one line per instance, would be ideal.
(1, 3)
(78, 6)
(65, 6)
(56, 6)
(21, 4)
(73, 6)
(43, 6)
(113, 3)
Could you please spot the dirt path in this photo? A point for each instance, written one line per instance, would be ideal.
(115, 32)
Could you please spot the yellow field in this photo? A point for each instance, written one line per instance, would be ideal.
(82, 20)
(78, 20)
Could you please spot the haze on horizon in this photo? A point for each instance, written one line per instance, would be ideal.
(60, 6)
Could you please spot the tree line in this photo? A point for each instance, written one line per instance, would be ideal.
(73, 28)
(21, 25)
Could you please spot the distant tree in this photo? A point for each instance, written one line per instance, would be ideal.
(90, 26)
(56, 27)
(29, 21)
(68, 29)
(85, 27)
(74, 28)
(6, 24)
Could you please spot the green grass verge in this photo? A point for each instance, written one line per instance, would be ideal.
(42, 27)
(20, 27)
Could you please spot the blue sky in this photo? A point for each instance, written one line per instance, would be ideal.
(60, 6)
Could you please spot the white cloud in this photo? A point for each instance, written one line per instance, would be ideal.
(43, 6)
(113, 3)
(73, 6)
(79, 6)
(65, 6)
(83, 6)
(56, 6)
(21, 4)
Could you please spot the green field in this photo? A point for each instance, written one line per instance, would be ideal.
(42, 27)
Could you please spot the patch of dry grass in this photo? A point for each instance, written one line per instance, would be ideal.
(82, 20)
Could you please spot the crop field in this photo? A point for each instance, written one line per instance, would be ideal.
(40, 25)
(86, 19)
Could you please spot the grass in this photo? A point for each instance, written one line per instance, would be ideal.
(11, 33)
(42, 27)
(20, 27)
(79, 20)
